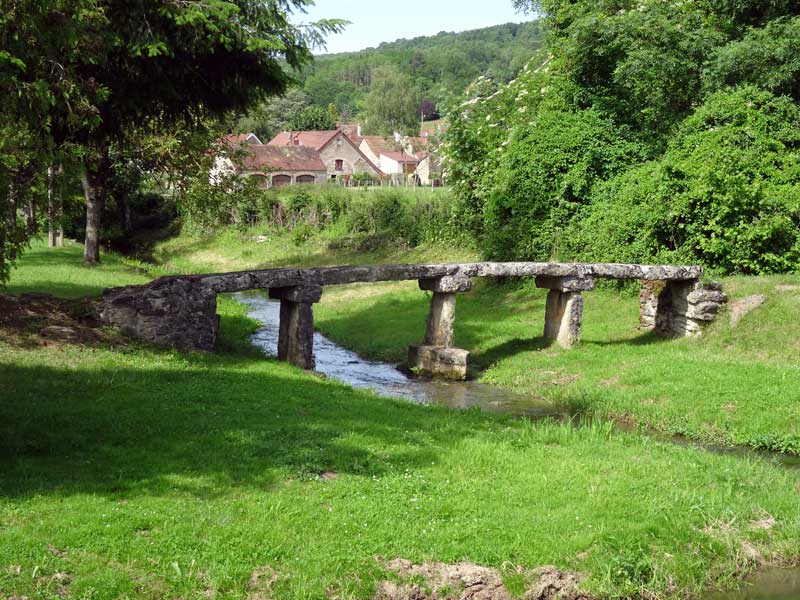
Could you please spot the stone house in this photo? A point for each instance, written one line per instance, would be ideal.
(270, 166)
(341, 156)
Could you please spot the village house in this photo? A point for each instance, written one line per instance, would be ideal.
(316, 157)
(269, 166)
(402, 155)
(341, 156)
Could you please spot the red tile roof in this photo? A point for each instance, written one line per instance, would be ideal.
(283, 158)
(351, 131)
(312, 139)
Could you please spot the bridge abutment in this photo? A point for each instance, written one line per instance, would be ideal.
(679, 308)
(437, 354)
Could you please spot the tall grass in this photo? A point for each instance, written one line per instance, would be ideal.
(357, 218)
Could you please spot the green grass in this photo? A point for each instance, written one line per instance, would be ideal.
(263, 248)
(733, 386)
(135, 472)
(61, 272)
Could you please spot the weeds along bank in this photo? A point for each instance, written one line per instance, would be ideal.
(132, 471)
(361, 218)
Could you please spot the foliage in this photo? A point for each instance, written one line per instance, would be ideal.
(765, 56)
(274, 115)
(354, 217)
(391, 104)
(440, 66)
(81, 75)
(607, 140)
(313, 118)
(546, 173)
(726, 193)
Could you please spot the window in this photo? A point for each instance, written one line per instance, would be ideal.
(339, 164)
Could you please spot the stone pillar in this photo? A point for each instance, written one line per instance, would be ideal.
(436, 355)
(679, 308)
(564, 311)
(441, 320)
(296, 335)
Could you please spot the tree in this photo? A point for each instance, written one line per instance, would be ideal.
(274, 115)
(392, 103)
(117, 64)
(313, 118)
(428, 110)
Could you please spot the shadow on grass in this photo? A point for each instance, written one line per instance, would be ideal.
(199, 426)
(647, 338)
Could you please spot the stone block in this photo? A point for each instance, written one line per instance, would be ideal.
(296, 334)
(565, 284)
(309, 294)
(450, 363)
(648, 303)
(705, 295)
(447, 284)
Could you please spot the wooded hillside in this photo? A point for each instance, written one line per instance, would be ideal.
(441, 66)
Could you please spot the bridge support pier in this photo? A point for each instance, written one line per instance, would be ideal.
(564, 310)
(436, 355)
(296, 334)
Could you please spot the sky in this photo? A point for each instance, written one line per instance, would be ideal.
(376, 21)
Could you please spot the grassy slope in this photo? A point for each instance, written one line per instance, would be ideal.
(145, 473)
(735, 385)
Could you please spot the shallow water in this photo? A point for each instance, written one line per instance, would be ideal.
(770, 584)
(343, 365)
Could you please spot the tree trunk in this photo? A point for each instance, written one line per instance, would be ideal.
(93, 180)
(124, 208)
(29, 211)
(4, 208)
(11, 221)
(55, 209)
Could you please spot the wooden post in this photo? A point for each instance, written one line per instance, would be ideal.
(296, 333)
(564, 310)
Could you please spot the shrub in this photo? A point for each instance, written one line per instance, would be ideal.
(726, 194)
(545, 175)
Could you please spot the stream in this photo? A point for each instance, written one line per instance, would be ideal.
(346, 366)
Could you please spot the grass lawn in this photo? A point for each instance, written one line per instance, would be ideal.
(133, 472)
(736, 385)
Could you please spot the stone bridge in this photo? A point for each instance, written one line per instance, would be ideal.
(180, 311)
